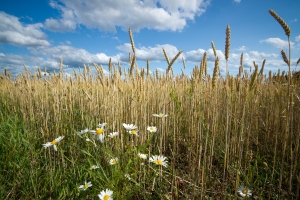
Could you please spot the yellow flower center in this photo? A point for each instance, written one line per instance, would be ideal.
(99, 131)
(106, 197)
(151, 128)
(160, 115)
(133, 132)
(158, 162)
(54, 142)
(245, 191)
(86, 186)
(114, 161)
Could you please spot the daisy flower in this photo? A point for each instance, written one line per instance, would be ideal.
(94, 167)
(53, 143)
(113, 134)
(134, 132)
(106, 195)
(83, 131)
(85, 186)
(129, 127)
(113, 161)
(127, 176)
(99, 133)
(151, 129)
(102, 125)
(159, 160)
(243, 191)
(160, 115)
(142, 156)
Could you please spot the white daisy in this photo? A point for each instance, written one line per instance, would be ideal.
(83, 131)
(151, 129)
(159, 160)
(134, 132)
(113, 134)
(106, 195)
(160, 115)
(99, 133)
(94, 167)
(127, 176)
(85, 186)
(102, 125)
(53, 143)
(243, 191)
(142, 156)
(113, 161)
(129, 127)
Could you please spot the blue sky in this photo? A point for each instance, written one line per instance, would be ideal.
(39, 33)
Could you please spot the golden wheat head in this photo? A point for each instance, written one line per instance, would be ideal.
(227, 45)
(285, 27)
(131, 40)
(285, 59)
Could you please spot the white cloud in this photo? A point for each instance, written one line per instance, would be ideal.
(278, 43)
(151, 53)
(108, 14)
(297, 38)
(73, 57)
(197, 55)
(242, 48)
(237, 1)
(12, 31)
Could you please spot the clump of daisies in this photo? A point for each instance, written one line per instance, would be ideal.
(99, 132)
(85, 186)
(53, 143)
(159, 160)
(106, 194)
(244, 192)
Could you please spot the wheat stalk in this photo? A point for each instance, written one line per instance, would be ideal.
(131, 41)
(227, 47)
(216, 72)
(173, 60)
(214, 48)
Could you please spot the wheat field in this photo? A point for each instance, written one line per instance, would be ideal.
(196, 136)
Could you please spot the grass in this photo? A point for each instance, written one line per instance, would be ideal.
(220, 134)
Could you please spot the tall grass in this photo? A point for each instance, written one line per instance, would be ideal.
(220, 133)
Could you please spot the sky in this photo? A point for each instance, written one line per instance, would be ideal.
(40, 33)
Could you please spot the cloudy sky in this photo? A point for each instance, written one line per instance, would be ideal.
(40, 33)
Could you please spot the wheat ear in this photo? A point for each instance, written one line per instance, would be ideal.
(131, 41)
(285, 59)
(214, 48)
(216, 72)
(285, 27)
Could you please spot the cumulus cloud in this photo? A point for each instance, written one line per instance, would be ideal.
(72, 56)
(108, 14)
(197, 55)
(12, 31)
(242, 48)
(297, 38)
(237, 1)
(152, 53)
(278, 43)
